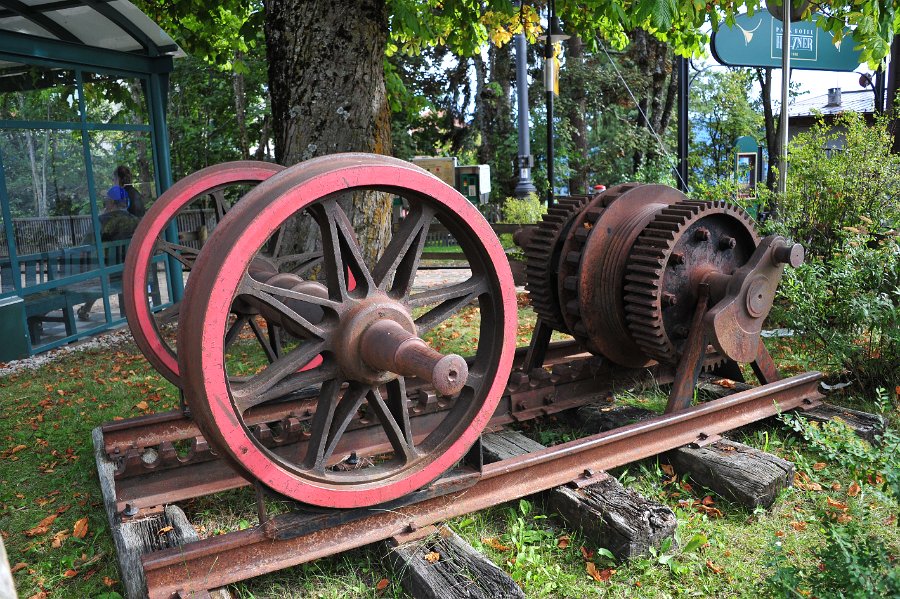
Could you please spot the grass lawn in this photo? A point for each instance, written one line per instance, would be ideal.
(59, 545)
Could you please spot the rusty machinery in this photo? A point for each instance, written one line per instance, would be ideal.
(353, 409)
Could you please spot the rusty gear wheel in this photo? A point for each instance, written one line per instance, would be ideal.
(682, 243)
(543, 253)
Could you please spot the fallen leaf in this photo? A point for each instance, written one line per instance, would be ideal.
(707, 500)
(493, 543)
(587, 555)
(819, 466)
(42, 527)
(599, 575)
(687, 486)
(710, 511)
(432, 557)
(382, 584)
(58, 539)
(142, 405)
(853, 490)
(844, 518)
(714, 568)
(165, 529)
(18, 567)
(798, 526)
(70, 573)
(563, 542)
(836, 504)
(779, 533)
(835, 486)
(727, 383)
(39, 595)
(109, 581)
(80, 529)
(667, 468)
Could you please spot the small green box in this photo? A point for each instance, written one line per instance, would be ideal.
(12, 329)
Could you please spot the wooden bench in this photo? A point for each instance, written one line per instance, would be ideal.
(35, 269)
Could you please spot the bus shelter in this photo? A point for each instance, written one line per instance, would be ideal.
(83, 86)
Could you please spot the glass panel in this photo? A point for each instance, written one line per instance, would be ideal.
(110, 99)
(34, 93)
(54, 314)
(49, 200)
(125, 159)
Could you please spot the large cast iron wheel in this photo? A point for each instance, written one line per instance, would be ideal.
(149, 243)
(374, 293)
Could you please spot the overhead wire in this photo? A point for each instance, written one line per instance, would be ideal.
(659, 141)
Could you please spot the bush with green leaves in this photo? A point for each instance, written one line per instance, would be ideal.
(523, 211)
(848, 306)
(831, 190)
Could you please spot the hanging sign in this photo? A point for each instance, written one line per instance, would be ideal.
(756, 42)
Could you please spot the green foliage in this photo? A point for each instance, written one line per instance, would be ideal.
(830, 190)
(849, 306)
(853, 562)
(523, 211)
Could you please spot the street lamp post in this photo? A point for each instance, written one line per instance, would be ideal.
(553, 36)
(524, 187)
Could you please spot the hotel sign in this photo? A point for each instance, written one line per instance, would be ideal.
(756, 42)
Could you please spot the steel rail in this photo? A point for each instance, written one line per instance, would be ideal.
(236, 556)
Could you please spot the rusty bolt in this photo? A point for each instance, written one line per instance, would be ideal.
(587, 473)
(549, 399)
(677, 258)
(727, 243)
(521, 405)
(701, 234)
(130, 510)
(669, 299)
(411, 527)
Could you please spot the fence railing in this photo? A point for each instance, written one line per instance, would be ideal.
(34, 235)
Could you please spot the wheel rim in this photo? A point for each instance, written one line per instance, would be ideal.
(147, 244)
(218, 405)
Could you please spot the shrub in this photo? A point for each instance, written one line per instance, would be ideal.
(832, 189)
(523, 211)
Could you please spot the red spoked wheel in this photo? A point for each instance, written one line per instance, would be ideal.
(212, 185)
(368, 333)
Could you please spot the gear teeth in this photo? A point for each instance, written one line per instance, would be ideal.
(540, 274)
(646, 265)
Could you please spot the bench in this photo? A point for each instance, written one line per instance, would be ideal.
(35, 269)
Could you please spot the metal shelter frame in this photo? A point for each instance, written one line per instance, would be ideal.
(46, 36)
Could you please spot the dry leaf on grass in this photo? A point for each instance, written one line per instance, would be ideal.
(80, 529)
(587, 555)
(798, 526)
(58, 539)
(563, 542)
(844, 518)
(42, 528)
(599, 575)
(39, 595)
(432, 557)
(714, 568)
(493, 543)
(142, 405)
(667, 468)
(833, 503)
(18, 567)
(819, 466)
(109, 581)
(853, 490)
(382, 584)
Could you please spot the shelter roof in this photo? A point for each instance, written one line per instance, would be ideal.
(861, 101)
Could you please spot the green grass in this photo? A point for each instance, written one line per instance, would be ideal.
(47, 468)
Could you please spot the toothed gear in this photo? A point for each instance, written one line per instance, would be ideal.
(680, 244)
(542, 256)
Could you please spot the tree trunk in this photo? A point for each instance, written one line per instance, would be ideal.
(655, 60)
(240, 107)
(773, 128)
(578, 181)
(326, 80)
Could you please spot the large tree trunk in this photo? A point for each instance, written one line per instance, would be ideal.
(577, 104)
(326, 81)
(240, 107)
(773, 126)
(655, 60)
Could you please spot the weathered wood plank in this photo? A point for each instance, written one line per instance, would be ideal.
(614, 517)
(601, 417)
(868, 426)
(748, 476)
(452, 570)
(134, 538)
(607, 513)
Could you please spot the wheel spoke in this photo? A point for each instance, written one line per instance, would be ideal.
(266, 294)
(299, 264)
(281, 377)
(394, 420)
(341, 251)
(222, 205)
(401, 257)
(334, 412)
(263, 341)
(235, 329)
(184, 254)
(449, 299)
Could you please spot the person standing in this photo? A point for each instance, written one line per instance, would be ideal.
(122, 178)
